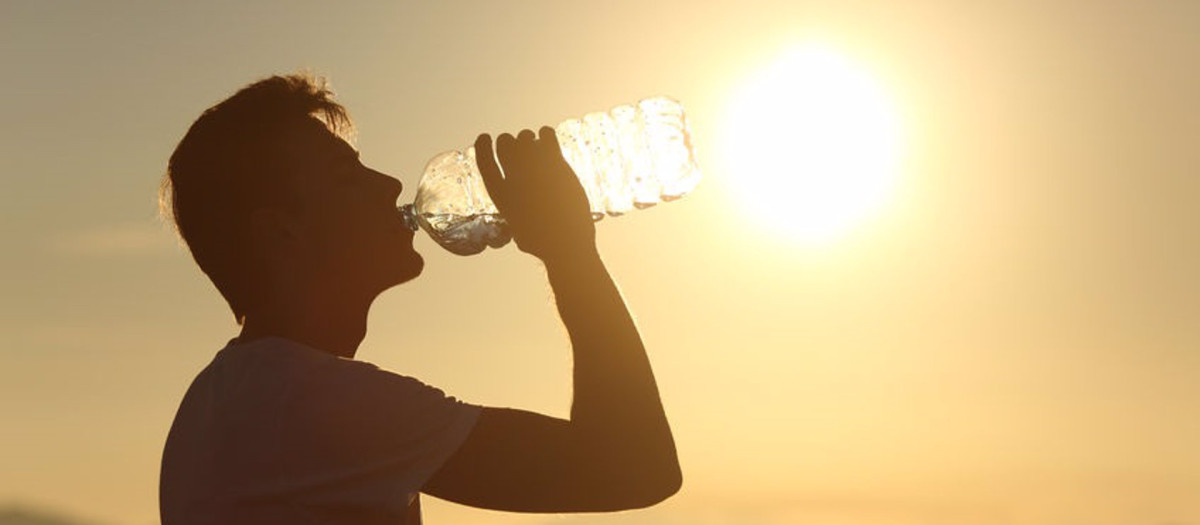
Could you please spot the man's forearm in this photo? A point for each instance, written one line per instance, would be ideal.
(616, 401)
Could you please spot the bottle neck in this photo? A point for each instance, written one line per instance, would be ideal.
(409, 216)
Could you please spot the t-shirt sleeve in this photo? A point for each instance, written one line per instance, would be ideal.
(355, 435)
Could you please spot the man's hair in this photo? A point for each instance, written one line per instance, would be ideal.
(231, 162)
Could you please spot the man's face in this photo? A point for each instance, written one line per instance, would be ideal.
(353, 237)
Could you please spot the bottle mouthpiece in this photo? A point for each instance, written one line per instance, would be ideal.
(409, 217)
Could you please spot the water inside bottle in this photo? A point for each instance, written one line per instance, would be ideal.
(466, 234)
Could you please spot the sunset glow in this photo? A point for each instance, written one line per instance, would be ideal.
(939, 268)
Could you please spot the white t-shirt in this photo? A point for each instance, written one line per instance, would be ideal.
(276, 432)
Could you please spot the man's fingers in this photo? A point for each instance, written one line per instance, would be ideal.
(506, 147)
(525, 158)
(548, 138)
(527, 149)
(486, 160)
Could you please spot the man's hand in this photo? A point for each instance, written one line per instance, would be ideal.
(538, 194)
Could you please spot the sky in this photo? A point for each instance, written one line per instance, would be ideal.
(1010, 336)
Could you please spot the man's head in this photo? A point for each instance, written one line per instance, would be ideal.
(271, 198)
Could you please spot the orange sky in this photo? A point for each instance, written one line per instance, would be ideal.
(1011, 338)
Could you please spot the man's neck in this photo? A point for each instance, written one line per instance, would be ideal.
(334, 330)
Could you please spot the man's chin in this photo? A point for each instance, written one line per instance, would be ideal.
(412, 267)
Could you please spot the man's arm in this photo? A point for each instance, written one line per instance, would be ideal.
(616, 452)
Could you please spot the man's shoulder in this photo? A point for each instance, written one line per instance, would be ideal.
(278, 359)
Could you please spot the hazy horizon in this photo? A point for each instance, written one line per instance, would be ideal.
(1010, 336)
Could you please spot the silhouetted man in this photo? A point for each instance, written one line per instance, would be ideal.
(284, 426)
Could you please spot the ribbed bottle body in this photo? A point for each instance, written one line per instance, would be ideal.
(630, 157)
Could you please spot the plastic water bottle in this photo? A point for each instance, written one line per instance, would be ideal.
(631, 157)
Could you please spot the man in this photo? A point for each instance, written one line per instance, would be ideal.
(284, 426)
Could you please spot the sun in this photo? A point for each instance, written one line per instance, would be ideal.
(812, 144)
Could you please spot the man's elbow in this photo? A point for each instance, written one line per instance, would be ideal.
(658, 487)
(671, 484)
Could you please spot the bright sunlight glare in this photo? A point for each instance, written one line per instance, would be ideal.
(811, 144)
